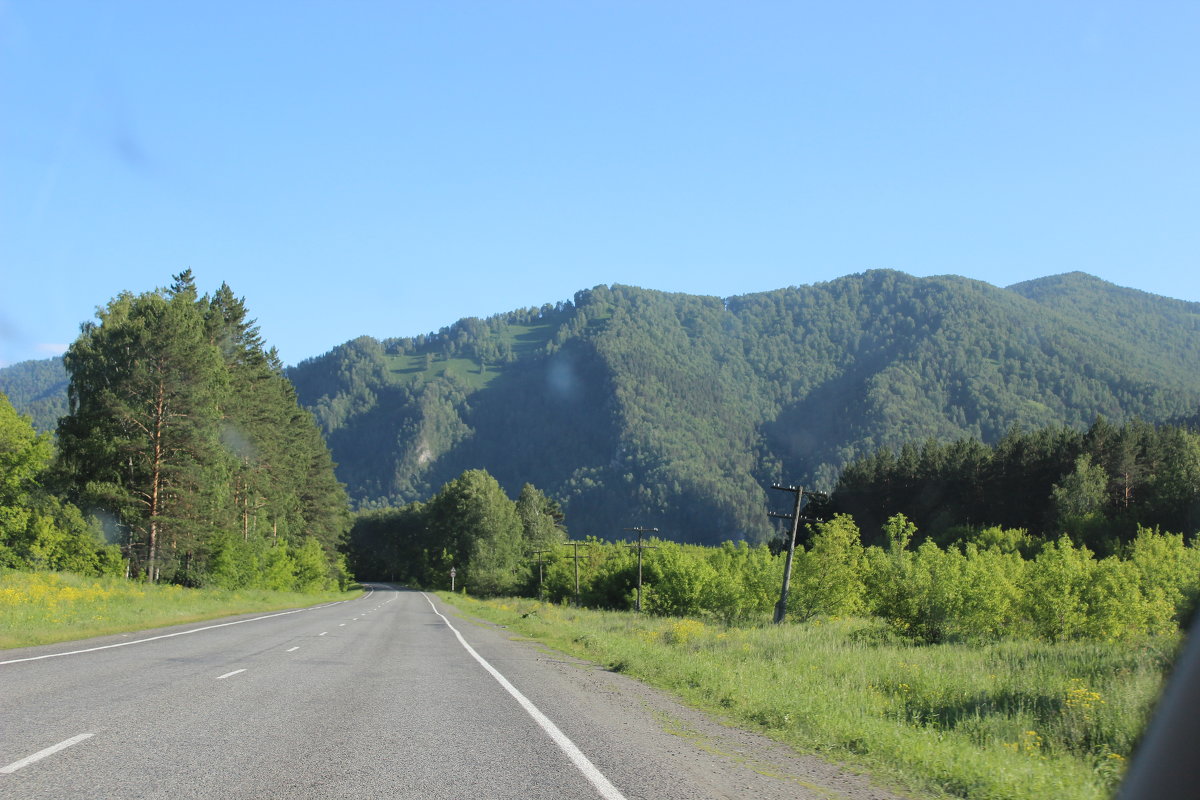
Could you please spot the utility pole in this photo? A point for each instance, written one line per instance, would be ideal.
(576, 544)
(540, 562)
(801, 493)
(640, 547)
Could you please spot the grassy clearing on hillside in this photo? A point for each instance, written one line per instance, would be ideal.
(1015, 719)
(531, 338)
(523, 340)
(47, 607)
(465, 370)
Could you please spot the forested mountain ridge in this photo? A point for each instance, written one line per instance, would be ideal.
(39, 389)
(1148, 327)
(641, 407)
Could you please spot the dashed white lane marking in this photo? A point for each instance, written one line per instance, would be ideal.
(169, 635)
(581, 762)
(293, 649)
(230, 674)
(40, 754)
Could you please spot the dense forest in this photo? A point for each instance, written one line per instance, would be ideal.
(990, 583)
(635, 407)
(1099, 485)
(183, 456)
(470, 525)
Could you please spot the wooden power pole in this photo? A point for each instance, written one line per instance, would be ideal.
(576, 557)
(540, 562)
(640, 547)
(801, 493)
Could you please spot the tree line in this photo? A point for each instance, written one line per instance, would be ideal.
(1099, 486)
(1052, 533)
(1001, 584)
(470, 526)
(184, 455)
(996, 583)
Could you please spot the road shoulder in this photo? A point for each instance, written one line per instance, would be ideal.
(717, 758)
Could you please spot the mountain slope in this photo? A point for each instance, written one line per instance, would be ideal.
(641, 407)
(1147, 327)
(38, 389)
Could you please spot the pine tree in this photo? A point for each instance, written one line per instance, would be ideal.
(185, 429)
(142, 425)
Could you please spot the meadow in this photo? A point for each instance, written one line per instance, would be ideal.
(1008, 719)
(47, 607)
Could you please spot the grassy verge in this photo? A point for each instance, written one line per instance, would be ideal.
(47, 607)
(1017, 719)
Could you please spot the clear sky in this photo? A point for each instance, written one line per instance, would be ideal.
(387, 168)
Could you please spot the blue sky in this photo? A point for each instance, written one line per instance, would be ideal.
(386, 168)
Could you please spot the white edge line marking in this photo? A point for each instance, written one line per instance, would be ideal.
(40, 754)
(169, 635)
(594, 776)
(293, 649)
(229, 674)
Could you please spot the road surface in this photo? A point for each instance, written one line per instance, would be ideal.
(390, 694)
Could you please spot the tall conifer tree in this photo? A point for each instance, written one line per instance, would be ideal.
(184, 428)
(143, 413)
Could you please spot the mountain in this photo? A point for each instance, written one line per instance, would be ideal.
(637, 407)
(1159, 329)
(38, 389)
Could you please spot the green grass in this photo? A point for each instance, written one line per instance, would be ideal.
(1017, 719)
(464, 370)
(526, 339)
(523, 339)
(47, 607)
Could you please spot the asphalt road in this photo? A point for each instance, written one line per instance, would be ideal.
(389, 694)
